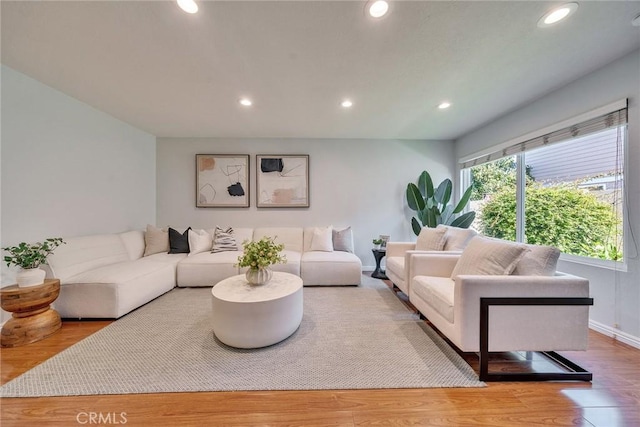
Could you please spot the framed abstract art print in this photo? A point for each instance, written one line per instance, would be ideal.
(222, 180)
(282, 181)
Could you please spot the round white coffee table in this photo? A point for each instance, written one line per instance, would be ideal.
(253, 316)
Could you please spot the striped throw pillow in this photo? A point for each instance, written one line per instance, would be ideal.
(224, 240)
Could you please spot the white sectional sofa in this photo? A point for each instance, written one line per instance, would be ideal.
(107, 276)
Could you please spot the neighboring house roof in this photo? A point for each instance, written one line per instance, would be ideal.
(598, 154)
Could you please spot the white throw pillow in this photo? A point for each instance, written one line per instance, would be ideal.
(538, 261)
(431, 239)
(457, 238)
(487, 256)
(199, 241)
(322, 239)
(156, 240)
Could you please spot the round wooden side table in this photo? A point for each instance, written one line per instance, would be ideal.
(32, 317)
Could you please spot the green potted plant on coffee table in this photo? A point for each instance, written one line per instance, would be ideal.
(258, 256)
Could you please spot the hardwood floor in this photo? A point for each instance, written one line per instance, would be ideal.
(611, 400)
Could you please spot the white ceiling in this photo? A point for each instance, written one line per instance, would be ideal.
(174, 74)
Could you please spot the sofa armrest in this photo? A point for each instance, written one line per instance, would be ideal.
(523, 327)
(399, 248)
(434, 263)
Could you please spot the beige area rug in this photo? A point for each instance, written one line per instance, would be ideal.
(350, 338)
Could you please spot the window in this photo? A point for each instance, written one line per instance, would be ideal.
(563, 189)
(493, 198)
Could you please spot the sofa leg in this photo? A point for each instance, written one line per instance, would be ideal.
(573, 372)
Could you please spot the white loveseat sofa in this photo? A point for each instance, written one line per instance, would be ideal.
(441, 238)
(107, 276)
(529, 306)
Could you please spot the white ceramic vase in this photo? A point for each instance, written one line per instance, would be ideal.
(30, 277)
(258, 276)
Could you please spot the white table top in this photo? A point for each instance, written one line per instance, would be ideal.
(236, 288)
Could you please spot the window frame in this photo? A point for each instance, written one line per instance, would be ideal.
(621, 265)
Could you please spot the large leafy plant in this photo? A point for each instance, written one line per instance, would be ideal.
(27, 255)
(433, 207)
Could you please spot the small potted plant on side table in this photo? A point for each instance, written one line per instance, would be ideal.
(376, 243)
(29, 257)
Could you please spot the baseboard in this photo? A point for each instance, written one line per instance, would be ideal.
(368, 268)
(614, 333)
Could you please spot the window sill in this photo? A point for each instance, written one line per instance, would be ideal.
(595, 262)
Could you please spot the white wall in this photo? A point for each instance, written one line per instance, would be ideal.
(616, 293)
(360, 183)
(68, 169)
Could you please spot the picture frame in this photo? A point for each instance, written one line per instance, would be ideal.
(282, 181)
(222, 181)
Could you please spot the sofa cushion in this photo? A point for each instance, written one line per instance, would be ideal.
(178, 243)
(431, 239)
(164, 257)
(199, 241)
(207, 268)
(330, 268)
(457, 238)
(113, 290)
(86, 253)
(538, 261)
(134, 242)
(322, 239)
(290, 237)
(343, 240)
(438, 292)
(156, 240)
(224, 240)
(121, 272)
(487, 256)
(291, 266)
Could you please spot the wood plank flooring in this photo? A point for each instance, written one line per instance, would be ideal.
(611, 400)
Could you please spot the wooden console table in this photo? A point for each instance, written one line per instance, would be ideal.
(32, 317)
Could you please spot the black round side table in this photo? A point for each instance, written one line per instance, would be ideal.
(378, 254)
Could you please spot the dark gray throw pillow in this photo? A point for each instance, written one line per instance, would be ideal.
(178, 243)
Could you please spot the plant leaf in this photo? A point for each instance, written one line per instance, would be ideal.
(414, 197)
(463, 201)
(416, 226)
(447, 215)
(464, 220)
(425, 184)
(431, 218)
(443, 192)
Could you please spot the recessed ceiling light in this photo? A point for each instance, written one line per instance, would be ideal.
(347, 103)
(377, 8)
(636, 21)
(558, 14)
(246, 102)
(188, 6)
(444, 105)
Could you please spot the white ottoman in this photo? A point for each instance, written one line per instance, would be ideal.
(252, 316)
